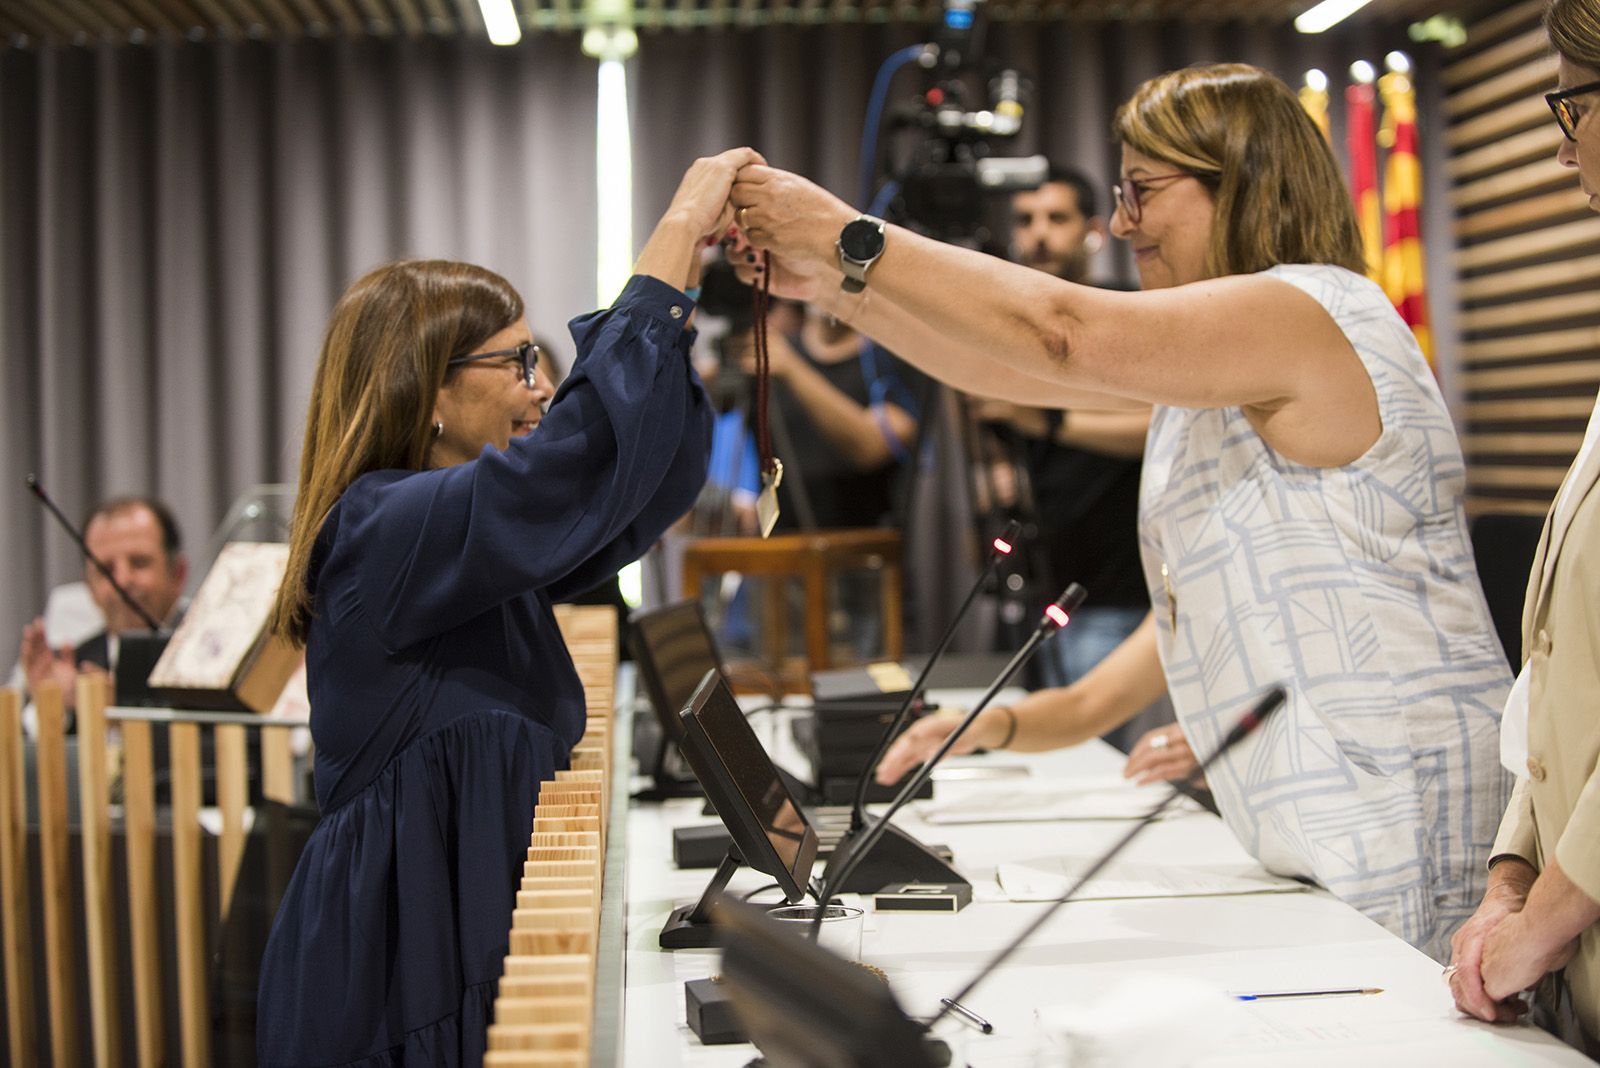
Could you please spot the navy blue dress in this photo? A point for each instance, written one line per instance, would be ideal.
(442, 695)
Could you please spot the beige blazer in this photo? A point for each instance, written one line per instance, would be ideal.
(1555, 808)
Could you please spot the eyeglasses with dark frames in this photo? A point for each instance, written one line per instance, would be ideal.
(1129, 193)
(1567, 113)
(527, 355)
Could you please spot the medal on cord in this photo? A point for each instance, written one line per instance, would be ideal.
(771, 466)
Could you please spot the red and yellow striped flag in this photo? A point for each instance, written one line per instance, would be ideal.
(1403, 278)
(1358, 98)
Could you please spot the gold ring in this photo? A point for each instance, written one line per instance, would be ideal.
(738, 217)
(1450, 970)
(1160, 741)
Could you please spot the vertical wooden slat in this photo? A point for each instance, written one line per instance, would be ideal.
(139, 832)
(277, 766)
(94, 798)
(189, 912)
(16, 897)
(819, 644)
(893, 634)
(233, 792)
(56, 877)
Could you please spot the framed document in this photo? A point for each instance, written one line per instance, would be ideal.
(221, 656)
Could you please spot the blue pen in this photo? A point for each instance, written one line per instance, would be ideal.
(1284, 994)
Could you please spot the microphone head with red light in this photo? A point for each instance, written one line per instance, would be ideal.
(1006, 543)
(1060, 613)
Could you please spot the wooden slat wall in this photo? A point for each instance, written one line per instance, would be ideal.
(545, 1009)
(1529, 259)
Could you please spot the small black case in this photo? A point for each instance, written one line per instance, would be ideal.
(700, 847)
(710, 1013)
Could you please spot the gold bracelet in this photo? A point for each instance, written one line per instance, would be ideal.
(1012, 732)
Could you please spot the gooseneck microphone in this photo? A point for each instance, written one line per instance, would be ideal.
(1000, 548)
(83, 547)
(1263, 708)
(1054, 618)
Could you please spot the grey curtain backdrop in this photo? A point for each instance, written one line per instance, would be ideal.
(176, 220)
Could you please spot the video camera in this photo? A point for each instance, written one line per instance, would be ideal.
(951, 168)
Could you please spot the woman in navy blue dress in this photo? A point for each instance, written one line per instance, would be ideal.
(440, 513)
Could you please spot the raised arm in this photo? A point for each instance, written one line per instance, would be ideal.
(1247, 340)
(955, 363)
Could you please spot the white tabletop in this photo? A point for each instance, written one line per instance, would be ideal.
(1293, 941)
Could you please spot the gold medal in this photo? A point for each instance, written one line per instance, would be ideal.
(767, 502)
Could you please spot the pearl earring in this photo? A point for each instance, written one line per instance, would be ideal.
(438, 428)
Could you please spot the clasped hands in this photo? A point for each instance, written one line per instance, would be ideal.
(794, 221)
(755, 208)
(1512, 942)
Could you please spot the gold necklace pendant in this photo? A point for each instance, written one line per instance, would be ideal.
(767, 502)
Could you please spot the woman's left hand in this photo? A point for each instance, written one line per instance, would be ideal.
(789, 216)
(1162, 755)
(1519, 952)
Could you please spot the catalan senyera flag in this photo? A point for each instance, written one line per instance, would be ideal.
(1403, 277)
(1359, 137)
(1315, 101)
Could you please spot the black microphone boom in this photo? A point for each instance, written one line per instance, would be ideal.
(845, 861)
(1001, 548)
(83, 547)
(1252, 719)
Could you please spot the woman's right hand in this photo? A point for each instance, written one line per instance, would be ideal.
(702, 197)
(1509, 882)
(919, 742)
(788, 281)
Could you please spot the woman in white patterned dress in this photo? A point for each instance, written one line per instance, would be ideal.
(1301, 517)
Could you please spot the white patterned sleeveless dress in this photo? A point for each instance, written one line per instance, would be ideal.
(1354, 587)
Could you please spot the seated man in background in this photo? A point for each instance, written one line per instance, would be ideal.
(138, 541)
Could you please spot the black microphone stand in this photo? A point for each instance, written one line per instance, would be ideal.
(1252, 719)
(1001, 548)
(83, 547)
(1055, 617)
(899, 857)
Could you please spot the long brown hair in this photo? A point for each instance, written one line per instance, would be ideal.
(1243, 133)
(383, 360)
(1574, 29)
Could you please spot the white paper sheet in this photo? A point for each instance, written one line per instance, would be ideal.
(1047, 878)
(1101, 797)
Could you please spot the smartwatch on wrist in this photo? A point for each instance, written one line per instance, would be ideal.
(860, 244)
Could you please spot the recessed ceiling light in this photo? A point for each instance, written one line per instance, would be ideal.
(500, 20)
(1328, 13)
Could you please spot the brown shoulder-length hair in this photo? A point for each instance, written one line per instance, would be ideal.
(1574, 29)
(383, 360)
(1243, 133)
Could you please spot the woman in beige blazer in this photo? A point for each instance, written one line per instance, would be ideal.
(1539, 924)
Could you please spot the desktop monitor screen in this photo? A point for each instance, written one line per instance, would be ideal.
(674, 649)
(739, 778)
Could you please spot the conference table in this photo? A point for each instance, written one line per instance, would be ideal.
(1142, 977)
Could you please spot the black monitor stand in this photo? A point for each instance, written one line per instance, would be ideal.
(689, 926)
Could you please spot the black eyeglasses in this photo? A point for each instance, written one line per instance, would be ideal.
(1567, 113)
(1129, 193)
(526, 353)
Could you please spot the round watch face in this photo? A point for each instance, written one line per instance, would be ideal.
(861, 240)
